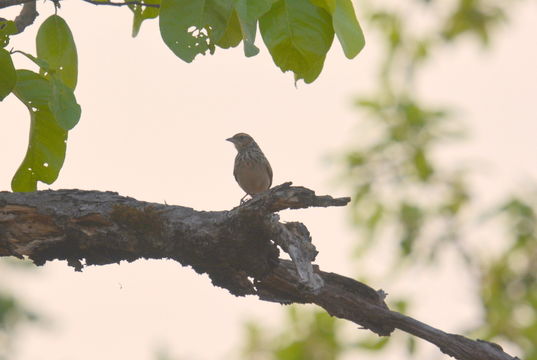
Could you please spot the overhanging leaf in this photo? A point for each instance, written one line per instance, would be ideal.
(346, 25)
(142, 13)
(63, 105)
(8, 76)
(347, 28)
(7, 28)
(233, 35)
(191, 27)
(55, 45)
(248, 13)
(46, 149)
(298, 35)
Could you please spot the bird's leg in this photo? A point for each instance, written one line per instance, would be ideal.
(242, 200)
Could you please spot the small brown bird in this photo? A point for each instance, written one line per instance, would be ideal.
(252, 169)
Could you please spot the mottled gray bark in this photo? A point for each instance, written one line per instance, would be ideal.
(238, 249)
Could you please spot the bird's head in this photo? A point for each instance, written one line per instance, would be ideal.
(241, 141)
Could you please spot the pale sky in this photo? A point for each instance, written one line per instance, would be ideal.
(154, 128)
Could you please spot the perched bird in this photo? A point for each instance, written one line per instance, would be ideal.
(252, 169)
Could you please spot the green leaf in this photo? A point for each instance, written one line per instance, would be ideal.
(298, 35)
(401, 305)
(142, 13)
(46, 149)
(8, 76)
(411, 218)
(63, 104)
(373, 344)
(347, 28)
(422, 165)
(7, 28)
(411, 345)
(376, 216)
(191, 27)
(44, 66)
(248, 13)
(32, 89)
(233, 35)
(346, 25)
(55, 45)
(328, 5)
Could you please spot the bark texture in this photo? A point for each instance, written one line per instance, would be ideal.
(239, 250)
(26, 16)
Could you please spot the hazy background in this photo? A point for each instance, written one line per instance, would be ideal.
(154, 128)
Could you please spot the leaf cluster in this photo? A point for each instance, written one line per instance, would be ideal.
(297, 33)
(509, 288)
(48, 96)
(307, 335)
(405, 199)
(12, 315)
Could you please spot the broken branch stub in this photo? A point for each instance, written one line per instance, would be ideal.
(293, 237)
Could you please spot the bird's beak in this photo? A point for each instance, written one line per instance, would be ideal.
(229, 139)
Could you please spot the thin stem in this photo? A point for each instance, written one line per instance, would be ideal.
(126, 3)
(8, 3)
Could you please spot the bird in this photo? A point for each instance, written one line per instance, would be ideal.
(252, 169)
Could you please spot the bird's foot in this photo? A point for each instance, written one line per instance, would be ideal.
(243, 199)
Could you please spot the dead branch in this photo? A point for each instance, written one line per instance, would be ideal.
(238, 249)
(124, 3)
(8, 3)
(26, 16)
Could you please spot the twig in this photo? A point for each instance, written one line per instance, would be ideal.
(126, 3)
(8, 3)
(26, 16)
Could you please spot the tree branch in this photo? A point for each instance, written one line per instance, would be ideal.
(126, 3)
(8, 3)
(26, 16)
(238, 249)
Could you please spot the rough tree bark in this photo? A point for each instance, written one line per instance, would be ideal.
(238, 249)
(26, 16)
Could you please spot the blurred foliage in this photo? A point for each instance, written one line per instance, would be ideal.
(509, 284)
(307, 335)
(309, 332)
(402, 193)
(12, 313)
(475, 17)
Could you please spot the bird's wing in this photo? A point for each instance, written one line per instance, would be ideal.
(269, 171)
(235, 169)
